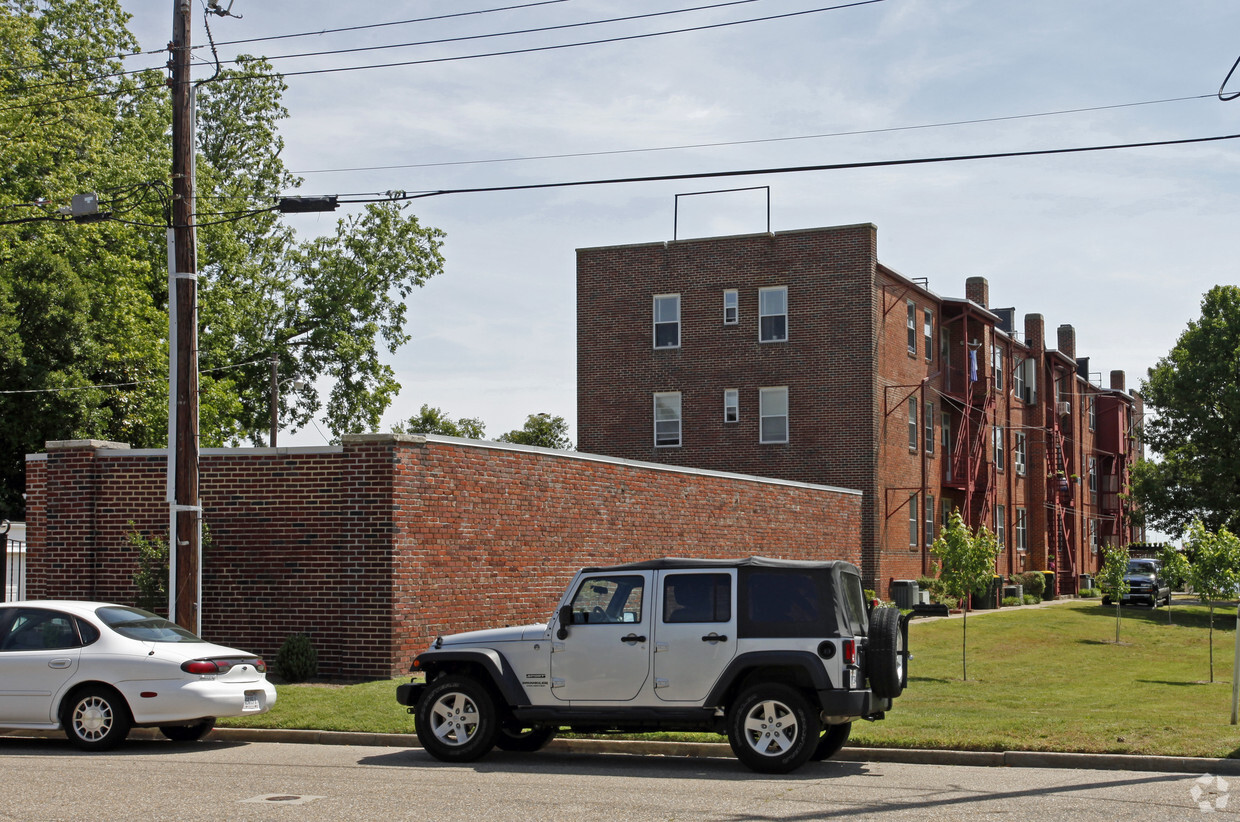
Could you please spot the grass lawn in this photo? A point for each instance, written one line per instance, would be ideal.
(1039, 679)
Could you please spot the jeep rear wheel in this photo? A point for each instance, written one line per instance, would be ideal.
(885, 653)
(772, 728)
(832, 739)
(524, 740)
(456, 719)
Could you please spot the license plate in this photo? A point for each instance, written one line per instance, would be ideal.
(252, 701)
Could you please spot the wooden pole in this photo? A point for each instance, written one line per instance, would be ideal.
(185, 552)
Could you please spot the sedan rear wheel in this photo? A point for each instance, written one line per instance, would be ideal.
(96, 719)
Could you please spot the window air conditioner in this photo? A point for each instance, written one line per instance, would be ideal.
(1064, 408)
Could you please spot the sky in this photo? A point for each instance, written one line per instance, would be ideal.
(1120, 244)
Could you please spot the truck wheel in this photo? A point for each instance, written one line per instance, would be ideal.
(456, 719)
(832, 739)
(772, 728)
(885, 653)
(524, 740)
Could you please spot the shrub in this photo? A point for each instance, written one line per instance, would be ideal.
(151, 578)
(1089, 593)
(1030, 599)
(1010, 602)
(297, 661)
(932, 584)
(1034, 583)
(870, 595)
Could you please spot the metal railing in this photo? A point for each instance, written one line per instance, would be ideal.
(13, 568)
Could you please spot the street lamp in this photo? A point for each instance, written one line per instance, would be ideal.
(276, 382)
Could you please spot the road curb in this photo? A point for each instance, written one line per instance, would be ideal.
(910, 756)
(718, 750)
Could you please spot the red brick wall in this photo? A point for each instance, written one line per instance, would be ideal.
(375, 547)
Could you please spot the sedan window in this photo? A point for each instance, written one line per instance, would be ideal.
(143, 625)
(33, 629)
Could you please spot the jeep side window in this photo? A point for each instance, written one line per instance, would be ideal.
(697, 598)
(608, 599)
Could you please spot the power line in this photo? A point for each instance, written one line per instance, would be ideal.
(800, 169)
(514, 32)
(382, 25)
(759, 141)
(534, 49)
(135, 383)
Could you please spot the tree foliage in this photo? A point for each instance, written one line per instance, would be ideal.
(434, 421)
(1215, 569)
(86, 304)
(542, 430)
(1195, 392)
(967, 567)
(1112, 577)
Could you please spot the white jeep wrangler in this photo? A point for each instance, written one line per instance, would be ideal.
(781, 656)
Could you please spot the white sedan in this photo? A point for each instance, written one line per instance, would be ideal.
(96, 670)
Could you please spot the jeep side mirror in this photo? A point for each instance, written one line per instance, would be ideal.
(566, 619)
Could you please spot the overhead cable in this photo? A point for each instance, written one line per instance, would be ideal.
(800, 169)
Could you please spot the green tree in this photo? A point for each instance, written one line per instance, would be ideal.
(434, 421)
(1112, 578)
(86, 304)
(1195, 392)
(1215, 575)
(1175, 570)
(542, 430)
(967, 567)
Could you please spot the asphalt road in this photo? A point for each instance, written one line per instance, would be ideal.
(44, 779)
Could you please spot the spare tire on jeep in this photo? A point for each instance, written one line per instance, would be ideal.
(885, 653)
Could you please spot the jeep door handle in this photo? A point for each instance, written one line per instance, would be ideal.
(715, 638)
(632, 638)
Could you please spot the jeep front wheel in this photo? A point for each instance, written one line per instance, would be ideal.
(456, 719)
(772, 728)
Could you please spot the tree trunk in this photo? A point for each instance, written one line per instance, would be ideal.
(1117, 622)
(964, 643)
(1211, 641)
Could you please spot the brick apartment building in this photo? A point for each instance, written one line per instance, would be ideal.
(799, 355)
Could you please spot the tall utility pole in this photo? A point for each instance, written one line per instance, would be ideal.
(185, 511)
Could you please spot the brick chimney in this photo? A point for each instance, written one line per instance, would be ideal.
(977, 290)
(1035, 331)
(1067, 341)
(1118, 381)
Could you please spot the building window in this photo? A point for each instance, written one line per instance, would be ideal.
(912, 328)
(1001, 526)
(773, 414)
(773, 314)
(998, 440)
(929, 520)
(1022, 533)
(945, 345)
(927, 330)
(667, 321)
(1018, 377)
(946, 515)
(667, 419)
(1018, 453)
(1093, 480)
(1093, 536)
(929, 432)
(1093, 415)
(912, 423)
(731, 307)
(913, 522)
(731, 405)
(996, 363)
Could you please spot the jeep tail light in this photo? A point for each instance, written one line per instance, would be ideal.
(850, 651)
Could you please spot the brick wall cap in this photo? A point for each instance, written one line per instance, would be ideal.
(84, 445)
(367, 439)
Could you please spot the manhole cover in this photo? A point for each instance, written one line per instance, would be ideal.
(282, 799)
